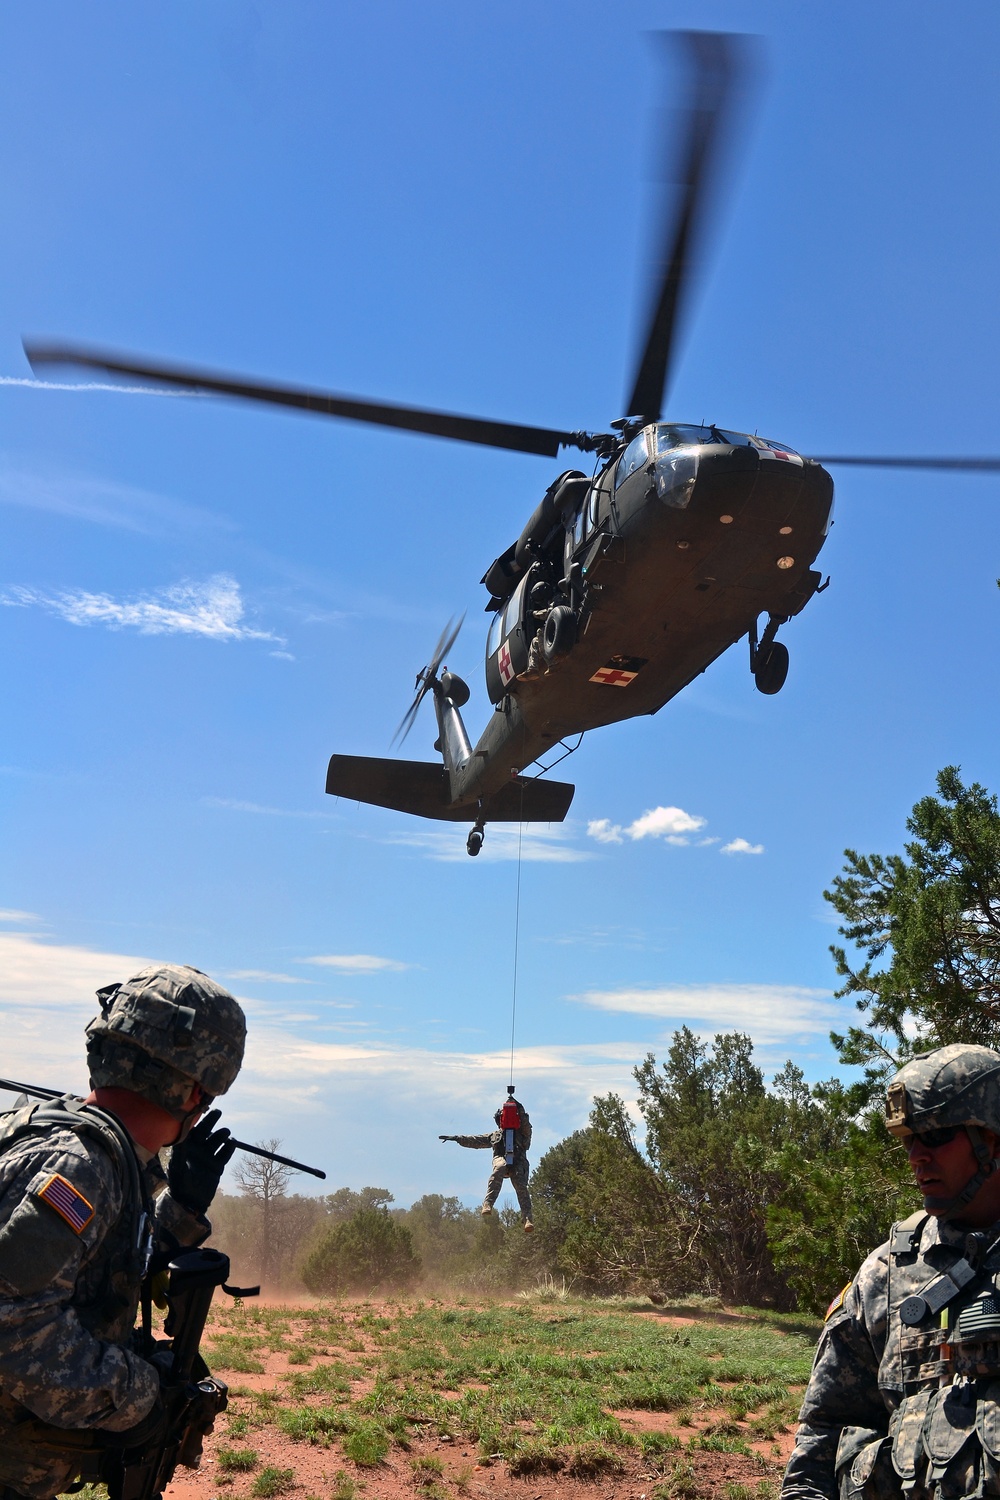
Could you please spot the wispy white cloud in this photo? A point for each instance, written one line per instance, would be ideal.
(548, 844)
(356, 963)
(103, 502)
(321, 1092)
(265, 976)
(664, 822)
(671, 824)
(281, 655)
(232, 804)
(9, 915)
(769, 1012)
(604, 831)
(213, 609)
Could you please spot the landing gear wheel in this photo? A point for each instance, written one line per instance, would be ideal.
(475, 841)
(771, 668)
(558, 633)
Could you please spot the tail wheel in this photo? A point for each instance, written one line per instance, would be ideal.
(771, 669)
(475, 841)
(558, 633)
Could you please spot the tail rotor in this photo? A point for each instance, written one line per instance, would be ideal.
(427, 677)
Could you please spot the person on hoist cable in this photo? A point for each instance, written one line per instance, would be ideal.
(509, 1144)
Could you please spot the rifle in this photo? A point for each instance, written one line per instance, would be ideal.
(192, 1396)
(286, 1161)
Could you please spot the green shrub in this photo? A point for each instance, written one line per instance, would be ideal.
(369, 1252)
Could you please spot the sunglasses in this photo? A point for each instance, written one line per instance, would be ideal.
(934, 1138)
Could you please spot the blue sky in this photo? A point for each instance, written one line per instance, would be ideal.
(448, 205)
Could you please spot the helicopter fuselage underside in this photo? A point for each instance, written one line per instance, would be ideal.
(668, 588)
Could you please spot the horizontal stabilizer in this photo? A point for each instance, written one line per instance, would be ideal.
(422, 788)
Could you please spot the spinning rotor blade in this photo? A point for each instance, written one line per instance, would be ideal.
(718, 61)
(446, 640)
(958, 465)
(521, 439)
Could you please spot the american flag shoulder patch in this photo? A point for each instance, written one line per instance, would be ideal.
(67, 1202)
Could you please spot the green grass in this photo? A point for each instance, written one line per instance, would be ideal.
(367, 1444)
(272, 1481)
(237, 1460)
(535, 1384)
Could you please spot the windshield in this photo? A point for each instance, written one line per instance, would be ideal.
(633, 458)
(493, 639)
(675, 435)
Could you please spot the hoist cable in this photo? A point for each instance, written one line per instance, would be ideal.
(517, 926)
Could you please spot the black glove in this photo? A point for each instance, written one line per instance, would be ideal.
(447, 1138)
(197, 1164)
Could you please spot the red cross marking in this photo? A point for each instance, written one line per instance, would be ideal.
(504, 663)
(613, 676)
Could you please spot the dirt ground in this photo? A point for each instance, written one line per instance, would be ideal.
(320, 1472)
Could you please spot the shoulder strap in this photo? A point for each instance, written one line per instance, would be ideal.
(905, 1235)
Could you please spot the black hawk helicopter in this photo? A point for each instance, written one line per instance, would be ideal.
(623, 585)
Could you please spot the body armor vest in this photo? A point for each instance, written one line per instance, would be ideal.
(940, 1374)
(107, 1296)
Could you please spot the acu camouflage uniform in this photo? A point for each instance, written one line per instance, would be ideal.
(904, 1396)
(81, 1209)
(518, 1171)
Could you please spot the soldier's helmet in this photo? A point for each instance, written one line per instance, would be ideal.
(165, 1028)
(955, 1085)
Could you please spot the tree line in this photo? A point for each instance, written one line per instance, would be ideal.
(754, 1192)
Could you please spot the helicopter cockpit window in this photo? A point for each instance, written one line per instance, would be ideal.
(676, 435)
(633, 458)
(736, 439)
(493, 639)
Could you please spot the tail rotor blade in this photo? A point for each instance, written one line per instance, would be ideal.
(447, 639)
(717, 61)
(428, 676)
(408, 720)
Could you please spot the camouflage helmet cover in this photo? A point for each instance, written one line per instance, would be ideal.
(177, 1016)
(955, 1085)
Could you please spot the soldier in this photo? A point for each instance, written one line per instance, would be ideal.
(904, 1396)
(83, 1204)
(509, 1144)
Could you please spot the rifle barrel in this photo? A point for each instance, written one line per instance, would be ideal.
(29, 1088)
(286, 1161)
(33, 1091)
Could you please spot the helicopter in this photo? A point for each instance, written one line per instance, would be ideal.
(624, 585)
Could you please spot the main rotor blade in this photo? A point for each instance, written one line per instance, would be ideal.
(545, 441)
(957, 465)
(717, 60)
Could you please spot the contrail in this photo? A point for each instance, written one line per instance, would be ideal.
(92, 385)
